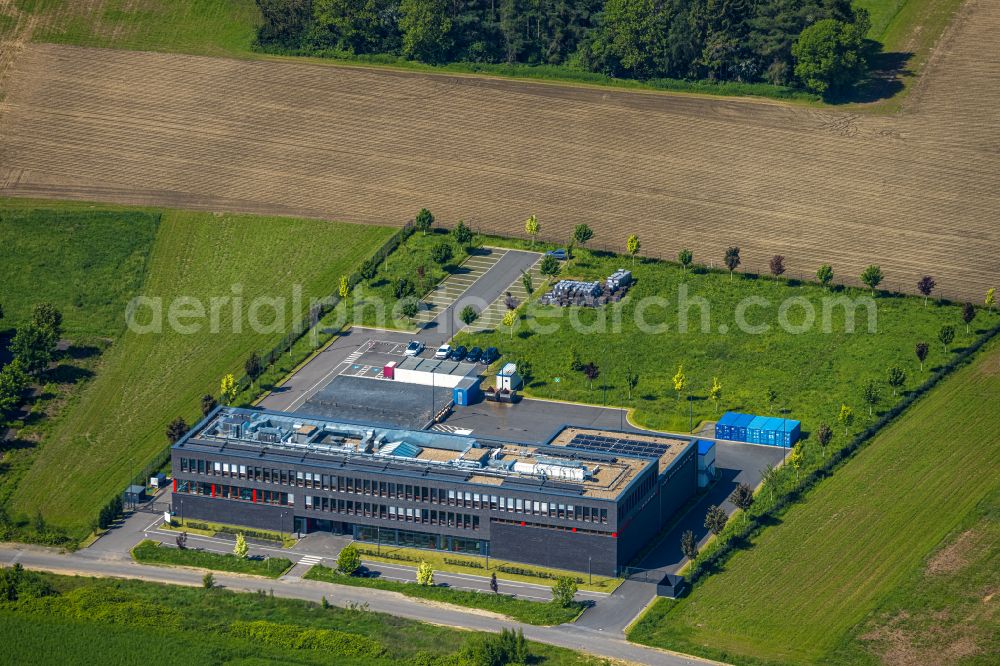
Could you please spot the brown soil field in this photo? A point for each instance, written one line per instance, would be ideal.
(917, 192)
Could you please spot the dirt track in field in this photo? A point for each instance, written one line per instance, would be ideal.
(918, 193)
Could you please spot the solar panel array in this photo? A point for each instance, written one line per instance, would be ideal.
(620, 445)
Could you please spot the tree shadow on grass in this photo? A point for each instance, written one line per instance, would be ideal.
(885, 77)
(81, 352)
(68, 374)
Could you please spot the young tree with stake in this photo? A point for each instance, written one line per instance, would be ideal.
(685, 257)
(823, 435)
(872, 277)
(921, 350)
(716, 519)
(509, 320)
(968, 314)
(871, 393)
(777, 265)
(991, 298)
(581, 234)
(689, 545)
(946, 335)
(227, 389)
(632, 244)
(845, 417)
(591, 371)
(531, 227)
(680, 381)
(825, 275)
(424, 220)
(925, 286)
(715, 393)
(345, 288)
(732, 260)
(241, 549)
(742, 498)
(896, 379)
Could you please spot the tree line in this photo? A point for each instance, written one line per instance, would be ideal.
(817, 45)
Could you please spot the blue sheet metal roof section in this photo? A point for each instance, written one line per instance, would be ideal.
(704, 446)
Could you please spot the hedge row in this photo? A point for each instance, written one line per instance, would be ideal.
(506, 568)
(472, 564)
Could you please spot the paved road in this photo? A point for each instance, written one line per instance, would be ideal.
(569, 636)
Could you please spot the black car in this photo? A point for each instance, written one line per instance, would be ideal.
(474, 355)
(491, 354)
(458, 353)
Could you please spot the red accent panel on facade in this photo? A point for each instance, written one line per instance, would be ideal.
(213, 490)
(254, 495)
(175, 485)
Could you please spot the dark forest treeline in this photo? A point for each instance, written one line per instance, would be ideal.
(814, 44)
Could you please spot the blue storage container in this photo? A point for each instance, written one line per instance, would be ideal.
(724, 426)
(756, 429)
(742, 426)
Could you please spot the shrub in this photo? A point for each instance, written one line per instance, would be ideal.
(472, 564)
(349, 560)
(507, 647)
(425, 574)
(442, 253)
(468, 314)
(564, 591)
(208, 581)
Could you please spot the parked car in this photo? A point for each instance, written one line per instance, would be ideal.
(559, 254)
(474, 355)
(414, 348)
(458, 353)
(489, 356)
(443, 351)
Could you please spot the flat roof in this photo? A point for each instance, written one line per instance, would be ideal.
(664, 448)
(429, 454)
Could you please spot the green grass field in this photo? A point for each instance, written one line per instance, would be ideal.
(832, 560)
(88, 263)
(228, 28)
(135, 622)
(522, 610)
(813, 372)
(147, 379)
(946, 610)
(152, 552)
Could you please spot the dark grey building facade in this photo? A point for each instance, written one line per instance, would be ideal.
(568, 504)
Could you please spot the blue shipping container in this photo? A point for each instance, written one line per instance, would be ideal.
(740, 427)
(756, 430)
(724, 426)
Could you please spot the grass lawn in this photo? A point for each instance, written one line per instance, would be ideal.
(854, 542)
(373, 302)
(88, 263)
(152, 552)
(133, 620)
(812, 372)
(945, 611)
(147, 379)
(457, 564)
(531, 612)
(200, 27)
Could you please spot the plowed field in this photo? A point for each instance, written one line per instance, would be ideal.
(917, 193)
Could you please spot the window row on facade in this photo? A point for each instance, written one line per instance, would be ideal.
(225, 491)
(392, 490)
(389, 512)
